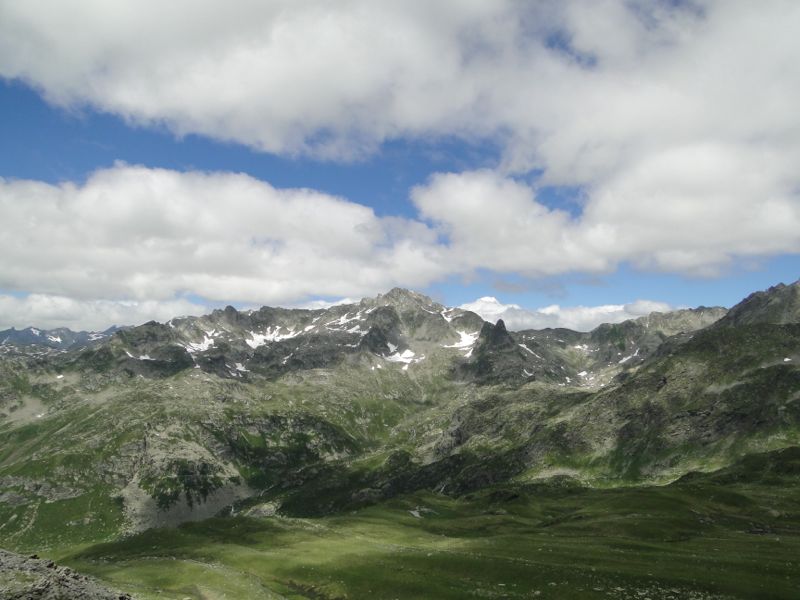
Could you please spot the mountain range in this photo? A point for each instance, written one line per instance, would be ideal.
(32, 339)
(307, 414)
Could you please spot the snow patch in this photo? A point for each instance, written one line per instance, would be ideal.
(407, 357)
(467, 340)
(202, 346)
(270, 335)
(524, 347)
(54, 338)
(343, 320)
(627, 358)
(466, 343)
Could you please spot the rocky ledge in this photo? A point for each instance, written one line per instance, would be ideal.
(33, 578)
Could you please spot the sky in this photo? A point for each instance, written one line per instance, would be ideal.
(559, 163)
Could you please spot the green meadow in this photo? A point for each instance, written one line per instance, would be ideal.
(730, 534)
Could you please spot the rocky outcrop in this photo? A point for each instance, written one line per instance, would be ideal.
(778, 305)
(33, 578)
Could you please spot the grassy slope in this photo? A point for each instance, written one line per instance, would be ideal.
(731, 534)
(722, 534)
(61, 472)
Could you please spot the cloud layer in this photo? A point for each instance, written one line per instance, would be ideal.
(497, 223)
(583, 89)
(136, 234)
(51, 312)
(677, 120)
(577, 318)
(151, 234)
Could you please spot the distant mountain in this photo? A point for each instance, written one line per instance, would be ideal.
(592, 359)
(778, 305)
(401, 328)
(54, 339)
(306, 412)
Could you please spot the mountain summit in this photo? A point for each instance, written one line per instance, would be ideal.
(778, 305)
(316, 411)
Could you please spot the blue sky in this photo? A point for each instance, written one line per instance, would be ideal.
(481, 175)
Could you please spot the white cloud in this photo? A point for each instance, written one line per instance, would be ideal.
(134, 233)
(139, 234)
(493, 222)
(281, 76)
(677, 119)
(322, 304)
(623, 78)
(50, 312)
(667, 214)
(577, 318)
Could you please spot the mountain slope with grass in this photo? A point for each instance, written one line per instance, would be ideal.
(289, 418)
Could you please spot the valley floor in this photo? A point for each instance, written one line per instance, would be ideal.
(699, 538)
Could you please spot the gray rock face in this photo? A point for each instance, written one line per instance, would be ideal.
(32, 339)
(400, 326)
(778, 305)
(32, 578)
(311, 409)
(272, 342)
(497, 356)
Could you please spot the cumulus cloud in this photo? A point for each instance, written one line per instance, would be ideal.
(579, 88)
(136, 234)
(647, 218)
(577, 318)
(323, 304)
(51, 312)
(676, 119)
(151, 234)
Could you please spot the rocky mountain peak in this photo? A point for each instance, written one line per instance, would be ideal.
(59, 339)
(495, 336)
(777, 305)
(403, 298)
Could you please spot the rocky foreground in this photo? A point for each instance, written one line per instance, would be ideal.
(33, 578)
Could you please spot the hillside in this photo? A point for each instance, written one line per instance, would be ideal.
(287, 413)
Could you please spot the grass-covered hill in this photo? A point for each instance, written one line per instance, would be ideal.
(652, 455)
